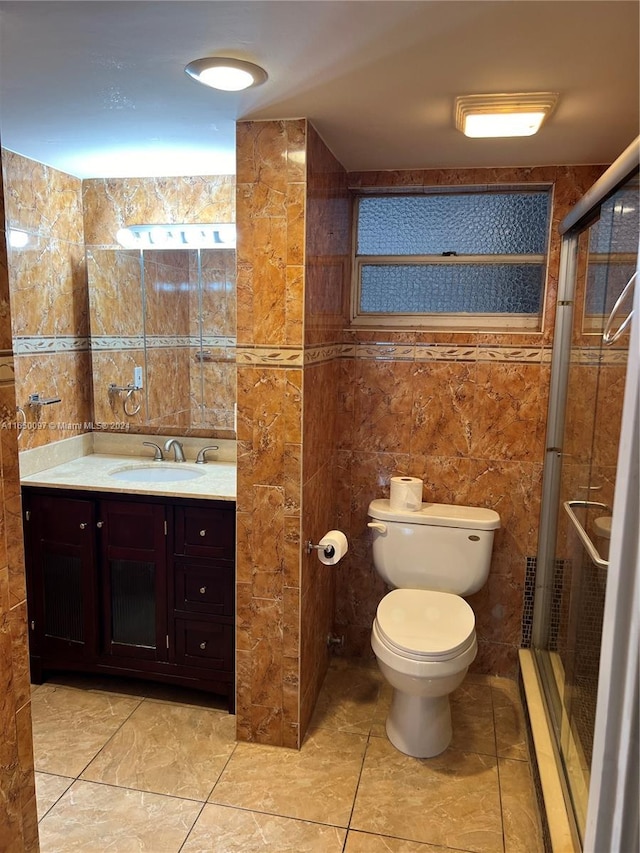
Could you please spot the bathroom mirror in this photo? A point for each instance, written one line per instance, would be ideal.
(163, 325)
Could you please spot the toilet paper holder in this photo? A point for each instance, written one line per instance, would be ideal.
(329, 551)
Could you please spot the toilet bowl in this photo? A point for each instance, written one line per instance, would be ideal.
(423, 635)
(424, 642)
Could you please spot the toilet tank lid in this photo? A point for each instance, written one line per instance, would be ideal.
(438, 515)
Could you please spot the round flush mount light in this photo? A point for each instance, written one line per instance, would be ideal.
(230, 75)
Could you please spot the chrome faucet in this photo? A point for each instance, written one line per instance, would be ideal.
(202, 454)
(177, 449)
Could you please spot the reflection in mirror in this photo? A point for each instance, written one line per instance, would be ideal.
(613, 248)
(163, 338)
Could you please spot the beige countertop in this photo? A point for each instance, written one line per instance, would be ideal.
(213, 480)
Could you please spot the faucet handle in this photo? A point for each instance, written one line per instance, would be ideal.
(157, 456)
(200, 460)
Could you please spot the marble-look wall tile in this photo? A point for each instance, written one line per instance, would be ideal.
(271, 175)
(48, 295)
(326, 286)
(218, 309)
(42, 200)
(270, 293)
(328, 244)
(115, 293)
(18, 816)
(115, 367)
(166, 293)
(48, 288)
(114, 203)
(472, 426)
(59, 374)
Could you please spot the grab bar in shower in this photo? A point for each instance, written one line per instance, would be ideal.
(608, 336)
(582, 533)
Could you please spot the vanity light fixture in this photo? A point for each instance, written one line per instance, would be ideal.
(503, 115)
(230, 75)
(201, 236)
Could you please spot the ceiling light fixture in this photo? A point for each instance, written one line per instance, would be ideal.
(230, 75)
(503, 115)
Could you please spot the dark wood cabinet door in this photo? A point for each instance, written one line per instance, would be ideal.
(61, 577)
(134, 579)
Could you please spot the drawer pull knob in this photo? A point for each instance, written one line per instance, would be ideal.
(203, 589)
(203, 533)
(203, 645)
(83, 525)
(100, 524)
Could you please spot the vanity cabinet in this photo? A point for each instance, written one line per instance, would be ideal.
(130, 586)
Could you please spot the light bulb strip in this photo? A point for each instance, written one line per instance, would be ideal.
(178, 236)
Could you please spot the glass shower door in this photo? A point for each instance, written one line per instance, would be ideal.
(605, 260)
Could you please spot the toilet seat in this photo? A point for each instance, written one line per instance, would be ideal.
(425, 625)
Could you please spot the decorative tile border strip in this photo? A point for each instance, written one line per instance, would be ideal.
(50, 344)
(263, 356)
(595, 355)
(109, 343)
(392, 352)
(113, 342)
(7, 370)
(318, 353)
(523, 355)
(449, 352)
(323, 352)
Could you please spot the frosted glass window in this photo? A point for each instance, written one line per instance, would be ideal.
(452, 253)
(452, 289)
(486, 223)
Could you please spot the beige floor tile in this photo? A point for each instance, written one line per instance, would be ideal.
(347, 701)
(318, 783)
(49, 789)
(472, 717)
(520, 817)
(70, 726)
(167, 749)
(381, 711)
(221, 829)
(451, 800)
(363, 842)
(94, 818)
(511, 738)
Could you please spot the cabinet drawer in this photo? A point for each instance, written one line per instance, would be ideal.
(207, 590)
(205, 532)
(207, 644)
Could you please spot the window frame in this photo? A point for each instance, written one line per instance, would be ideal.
(458, 321)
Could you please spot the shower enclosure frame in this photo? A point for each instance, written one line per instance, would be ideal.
(571, 228)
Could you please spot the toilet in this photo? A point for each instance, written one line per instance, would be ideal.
(424, 634)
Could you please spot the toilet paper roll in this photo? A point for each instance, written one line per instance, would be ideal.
(333, 547)
(406, 493)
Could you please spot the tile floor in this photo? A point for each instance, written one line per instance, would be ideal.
(135, 768)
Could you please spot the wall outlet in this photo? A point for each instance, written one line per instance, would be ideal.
(137, 377)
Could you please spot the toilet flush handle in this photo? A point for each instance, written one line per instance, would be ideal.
(378, 525)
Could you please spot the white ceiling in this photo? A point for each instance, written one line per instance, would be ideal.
(97, 89)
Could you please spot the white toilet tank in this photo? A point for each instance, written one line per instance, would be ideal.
(440, 546)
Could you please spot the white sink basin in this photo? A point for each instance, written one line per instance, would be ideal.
(155, 473)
